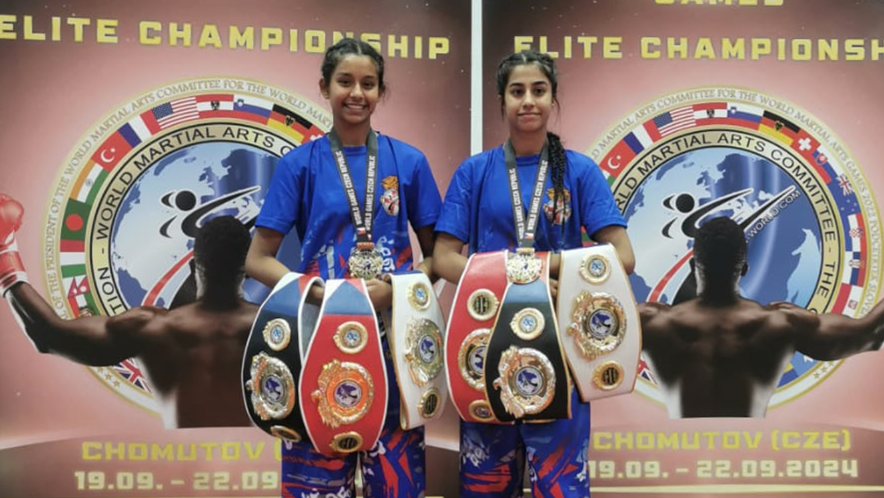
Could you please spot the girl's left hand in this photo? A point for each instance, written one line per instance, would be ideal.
(380, 293)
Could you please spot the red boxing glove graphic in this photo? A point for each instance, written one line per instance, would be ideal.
(12, 271)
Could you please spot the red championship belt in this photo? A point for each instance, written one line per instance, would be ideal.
(343, 387)
(473, 312)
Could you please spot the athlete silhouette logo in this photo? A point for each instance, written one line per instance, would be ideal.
(528, 381)
(192, 214)
(347, 394)
(686, 223)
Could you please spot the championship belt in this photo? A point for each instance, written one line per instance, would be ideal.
(525, 364)
(473, 311)
(415, 338)
(272, 362)
(601, 329)
(343, 387)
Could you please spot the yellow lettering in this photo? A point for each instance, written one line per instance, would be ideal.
(106, 30)
(209, 35)
(145, 30)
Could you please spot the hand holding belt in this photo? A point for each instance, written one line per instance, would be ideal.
(601, 329)
(272, 363)
(343, 387)
(472, 316)
(416, 343)
(525, 363)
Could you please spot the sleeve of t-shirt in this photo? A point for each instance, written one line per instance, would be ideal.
(599, 208)
(424, 201)
(281, 208)
(455, 216)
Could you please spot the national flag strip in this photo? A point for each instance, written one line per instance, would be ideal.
(293, 125)
(175, 112)
(130, 371)
(853, 271)
(710, 113)
(136, 130)
(807, 147)
(741, 113)
(847, 294)
(88, 184)
(675, 120)
(620, 156)
(79, 295)
(644, 371)
(856, 232)
(778, 128)
(837, 180)
(210, 103)
(73, 226)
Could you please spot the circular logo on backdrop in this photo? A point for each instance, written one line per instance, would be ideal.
(127, 204)
(809, 217)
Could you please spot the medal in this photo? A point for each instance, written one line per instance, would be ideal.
(365, 263)
(598, 324)
(423, 350)
(523, 266)
(365, 260)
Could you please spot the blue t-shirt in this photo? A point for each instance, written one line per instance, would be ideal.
(306, 193)
(478, 206)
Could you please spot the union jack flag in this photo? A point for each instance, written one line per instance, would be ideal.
(131, 372)
(645, 372)
(844, 183)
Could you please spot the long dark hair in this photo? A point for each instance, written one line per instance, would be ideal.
(348, 46)
(548, 67)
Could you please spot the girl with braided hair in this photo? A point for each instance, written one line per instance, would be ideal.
(478, 211)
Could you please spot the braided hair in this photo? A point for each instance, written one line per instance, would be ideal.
(554, 144)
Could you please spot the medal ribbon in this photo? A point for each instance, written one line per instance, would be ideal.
(525, 229)
(362, 220)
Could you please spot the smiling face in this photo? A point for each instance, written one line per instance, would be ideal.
(353, 90)
(527, 99)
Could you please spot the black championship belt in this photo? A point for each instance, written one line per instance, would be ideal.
(343, 388)
(272, 362)
(525, 366)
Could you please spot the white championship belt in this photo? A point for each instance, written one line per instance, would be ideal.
(415, 338)
(273, 357)
(343, 387)
(600, 325)
(473, 313)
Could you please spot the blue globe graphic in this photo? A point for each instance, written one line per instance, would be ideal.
(784, 252)
(164, 194)
(784, 255)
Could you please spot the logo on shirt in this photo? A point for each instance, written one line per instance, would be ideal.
(559, 214)
(774, 169)
(390, 197)
(148, 175)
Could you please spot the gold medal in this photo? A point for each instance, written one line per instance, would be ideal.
(528, 324)
(345, 393)
(277, 334)
(527, 381)
(608, 376)
(419, 296)
(482, 305)
(523, 266)
(471, 358)
(423, 350)
(598, 324)
(365, 263)
(595, 269)
(351, 337)
(272, 386)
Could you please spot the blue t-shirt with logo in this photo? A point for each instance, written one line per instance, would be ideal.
(306, 193)
(478, 205)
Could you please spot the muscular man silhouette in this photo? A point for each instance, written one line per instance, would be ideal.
(192, 354)
(720, 355)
